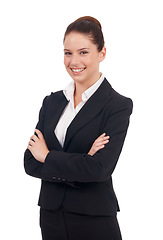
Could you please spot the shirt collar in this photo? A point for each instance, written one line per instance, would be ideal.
(69, 90)
(90, 91)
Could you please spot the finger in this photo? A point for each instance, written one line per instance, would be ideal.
(101, 143)
(34, 138)
(30, 143)
(106, 141)
(99, 147)
(103, 136)
(101, 139)
(28, 147)
(39, 133)
(106, 138)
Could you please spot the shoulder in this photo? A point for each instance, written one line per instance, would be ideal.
(57, 96)
(54, 98)
(117, 101)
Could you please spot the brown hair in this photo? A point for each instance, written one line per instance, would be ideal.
(89, 26)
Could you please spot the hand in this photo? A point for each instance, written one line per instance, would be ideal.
(99, 143)
(37, 146)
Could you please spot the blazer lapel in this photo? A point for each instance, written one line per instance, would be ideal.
(54, 120)
(91, 108)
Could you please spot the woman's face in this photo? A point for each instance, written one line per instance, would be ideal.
(81, 58)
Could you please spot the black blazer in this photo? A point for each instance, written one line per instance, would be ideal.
(71, 178)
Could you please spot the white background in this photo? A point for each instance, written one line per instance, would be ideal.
(31, 67)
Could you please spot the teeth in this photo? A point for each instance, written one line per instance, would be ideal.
(77, 69)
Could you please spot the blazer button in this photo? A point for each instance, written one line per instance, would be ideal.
(59, 179)
(64, 179)
(54, 178)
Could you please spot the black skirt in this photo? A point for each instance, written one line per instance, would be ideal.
(62, 225)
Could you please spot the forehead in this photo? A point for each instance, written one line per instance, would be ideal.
(76, 40)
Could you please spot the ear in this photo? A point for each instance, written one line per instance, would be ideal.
(102, 54)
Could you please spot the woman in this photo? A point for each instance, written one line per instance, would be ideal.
(77, 143)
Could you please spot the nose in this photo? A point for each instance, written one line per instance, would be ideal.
(75, 60)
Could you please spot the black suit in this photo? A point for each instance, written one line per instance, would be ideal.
(71, 178)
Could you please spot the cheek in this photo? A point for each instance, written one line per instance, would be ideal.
(92, 63)
(66, 62)
(93, 60)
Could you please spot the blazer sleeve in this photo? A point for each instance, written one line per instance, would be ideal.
(75, 167)
(31, 165)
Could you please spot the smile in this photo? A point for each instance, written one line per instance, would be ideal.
(77, 70)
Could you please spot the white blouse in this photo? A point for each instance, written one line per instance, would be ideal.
(70, 112)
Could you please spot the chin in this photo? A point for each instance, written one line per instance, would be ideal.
(77, 77)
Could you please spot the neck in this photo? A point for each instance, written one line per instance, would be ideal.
(80, 88)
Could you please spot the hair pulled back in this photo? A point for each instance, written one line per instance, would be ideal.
(89, 26)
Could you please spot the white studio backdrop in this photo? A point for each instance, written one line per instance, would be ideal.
(31, 67)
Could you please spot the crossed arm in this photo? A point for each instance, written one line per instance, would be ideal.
(37, 145)
(96, 165)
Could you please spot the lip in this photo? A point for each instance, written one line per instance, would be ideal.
(77, 71)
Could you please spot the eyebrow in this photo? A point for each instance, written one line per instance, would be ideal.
(78, 49)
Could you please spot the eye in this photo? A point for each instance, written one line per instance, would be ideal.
(67, 53)
(83, 52)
